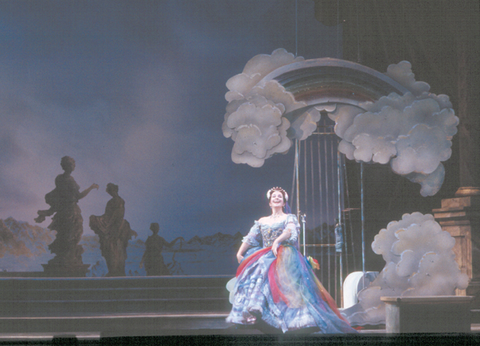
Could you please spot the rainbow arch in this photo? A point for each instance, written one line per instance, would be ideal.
(328, 80)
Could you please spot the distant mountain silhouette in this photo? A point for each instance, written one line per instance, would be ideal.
(219, 239)
(22, 239)
(24, 247)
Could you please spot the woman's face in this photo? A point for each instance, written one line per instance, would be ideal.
(276, 199)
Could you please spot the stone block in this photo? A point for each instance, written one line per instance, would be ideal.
(429, 314)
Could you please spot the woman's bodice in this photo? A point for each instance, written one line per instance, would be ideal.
(263, 234)
(269, 234)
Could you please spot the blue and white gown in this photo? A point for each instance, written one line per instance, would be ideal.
(282, 291)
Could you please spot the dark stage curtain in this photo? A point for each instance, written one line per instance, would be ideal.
(441, 40)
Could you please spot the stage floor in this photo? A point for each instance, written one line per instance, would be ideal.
(229, 331)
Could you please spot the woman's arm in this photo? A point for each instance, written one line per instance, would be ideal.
(251, 239)
(241, 251)
(284, 236)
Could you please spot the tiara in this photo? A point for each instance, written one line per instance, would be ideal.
(276, 188)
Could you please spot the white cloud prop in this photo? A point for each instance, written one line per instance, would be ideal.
(257, 117)
(258, 130)
(419, 262)
(402, 73)
(412, 131)
(430, 182)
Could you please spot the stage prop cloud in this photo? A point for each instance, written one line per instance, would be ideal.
(412, 131)
(419, 262)
(256, 111)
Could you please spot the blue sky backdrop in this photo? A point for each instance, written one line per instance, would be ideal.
(134, 92)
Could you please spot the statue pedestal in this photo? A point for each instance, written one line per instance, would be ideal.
(65, 270)
(460, 216)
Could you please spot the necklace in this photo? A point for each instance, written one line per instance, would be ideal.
(276, 216)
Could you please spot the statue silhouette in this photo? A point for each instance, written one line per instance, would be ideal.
(152, 258)
(114, 232)
(67, 221)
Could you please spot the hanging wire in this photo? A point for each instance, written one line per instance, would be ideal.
(295, 165)
(339, 188)
(338, 29)
(342, 180)
(306, 206)
(297, 154)
(361, 163)
(332, 195)
(363, 220)
(296, 27)
(344, 203)
(312, 190)
(305, 191)
(292, 190)
(333, 168)
(320, 190)
(358, 32)
(339, 217)
(349, 213)
(327, 208)
(305, 194)
(338, 181)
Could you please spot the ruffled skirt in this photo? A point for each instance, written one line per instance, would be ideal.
(284, 292)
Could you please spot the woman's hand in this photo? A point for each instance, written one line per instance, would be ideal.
(275, 247)
(239, 258)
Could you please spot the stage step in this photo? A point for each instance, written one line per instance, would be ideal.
(113, 306)
(23, 297)
(137, 324)
(475, 317)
